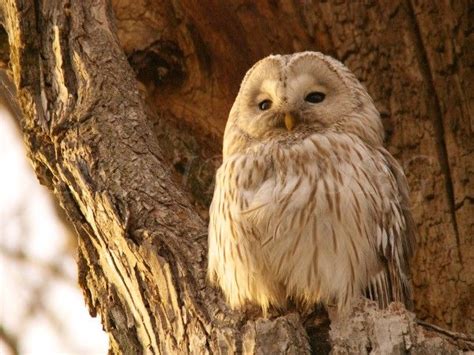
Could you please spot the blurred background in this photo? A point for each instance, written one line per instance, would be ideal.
(42, 310)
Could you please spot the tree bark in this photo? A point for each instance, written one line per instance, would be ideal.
(135, 178)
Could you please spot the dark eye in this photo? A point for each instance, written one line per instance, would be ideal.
(265, 105)
(315, 97)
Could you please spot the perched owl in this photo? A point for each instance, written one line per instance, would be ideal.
(308, 205)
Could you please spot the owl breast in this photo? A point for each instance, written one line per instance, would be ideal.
(315, 222)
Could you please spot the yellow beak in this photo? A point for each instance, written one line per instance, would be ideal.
(289, 121)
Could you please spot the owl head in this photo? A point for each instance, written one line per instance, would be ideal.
(287, 96)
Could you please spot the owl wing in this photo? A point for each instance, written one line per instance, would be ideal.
(227, 233)
(235, 262)
(395, 239)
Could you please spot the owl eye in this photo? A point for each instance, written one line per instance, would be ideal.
(315, 97)
(265, 105)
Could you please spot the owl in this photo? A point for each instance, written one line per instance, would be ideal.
(308, 206)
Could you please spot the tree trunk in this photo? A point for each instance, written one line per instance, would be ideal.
(135, 179)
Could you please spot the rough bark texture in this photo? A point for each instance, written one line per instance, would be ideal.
(135, 179)
(391, 331)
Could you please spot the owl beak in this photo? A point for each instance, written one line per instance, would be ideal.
(289, 121)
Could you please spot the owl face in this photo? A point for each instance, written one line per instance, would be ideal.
(304, 92)
(282, 95)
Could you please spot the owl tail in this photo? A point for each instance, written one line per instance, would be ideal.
(389, 286)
